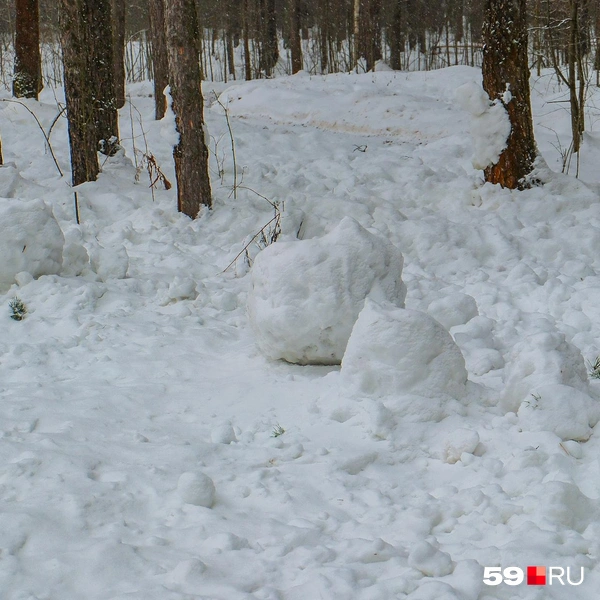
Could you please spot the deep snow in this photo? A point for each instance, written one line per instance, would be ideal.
(134, 384)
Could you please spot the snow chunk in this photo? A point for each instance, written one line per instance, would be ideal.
(490, 127)
(197, 489)
(565, 411)
(109, 262)
(429, 560)
(398, 351)
(565, 505)
(223, 434)
(453, 309)
(542, 358)
(306, 295)
(459, 441)
(187, 576)
(434, 590)
(30, 240)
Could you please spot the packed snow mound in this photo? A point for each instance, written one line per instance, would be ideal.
(31, 240)
(306, 295)
(490, 127)
(561, 409)
(398, 351)
(543, 358)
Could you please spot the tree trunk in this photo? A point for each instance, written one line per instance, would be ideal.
(269, 45)
(191, 153)
(396, 36)
(79, 92)
(505, 66)
(230, 53)
(247, 57)
(357, 45)
(295, 44)
(160, 65)
(27, 82)
(118, 27)
(99, 22)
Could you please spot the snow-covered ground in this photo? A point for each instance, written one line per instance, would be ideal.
(135, 378)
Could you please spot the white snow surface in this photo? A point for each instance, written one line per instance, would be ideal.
(135, 379)
(306, 295)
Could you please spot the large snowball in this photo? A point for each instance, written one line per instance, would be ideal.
(399, 351)
(30, 240)
(196, 488)
(306, 295)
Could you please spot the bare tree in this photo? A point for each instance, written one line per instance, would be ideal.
(160, 65)
(268, 47)
(367, 31)
(118, 29)
(295, 45)
(101, 65)
(27, 81)
(506, 69)
(79, 91)
(191, 153)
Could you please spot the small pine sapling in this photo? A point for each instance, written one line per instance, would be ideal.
(594, 368)
(18, 309)
(277, 431)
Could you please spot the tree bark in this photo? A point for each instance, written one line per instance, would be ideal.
(160, 64)
(505, 66)
(99, 24)
(79, 92)
(191, 153)
(118, 27)
(269, 45)
(295, 43)
(246, 26)
(27, 82)
(397, 36)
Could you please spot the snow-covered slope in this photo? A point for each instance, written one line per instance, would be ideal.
(134, 380)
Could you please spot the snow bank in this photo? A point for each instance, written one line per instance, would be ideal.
(565, 411)
(306, 295)
(398, 351)
(30, 240)
(490, 127)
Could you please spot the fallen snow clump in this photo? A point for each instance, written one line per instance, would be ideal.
(197, 489)
(398, 351)
(562, 409)
(31, 240)
(545, 357)
(306, 295)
